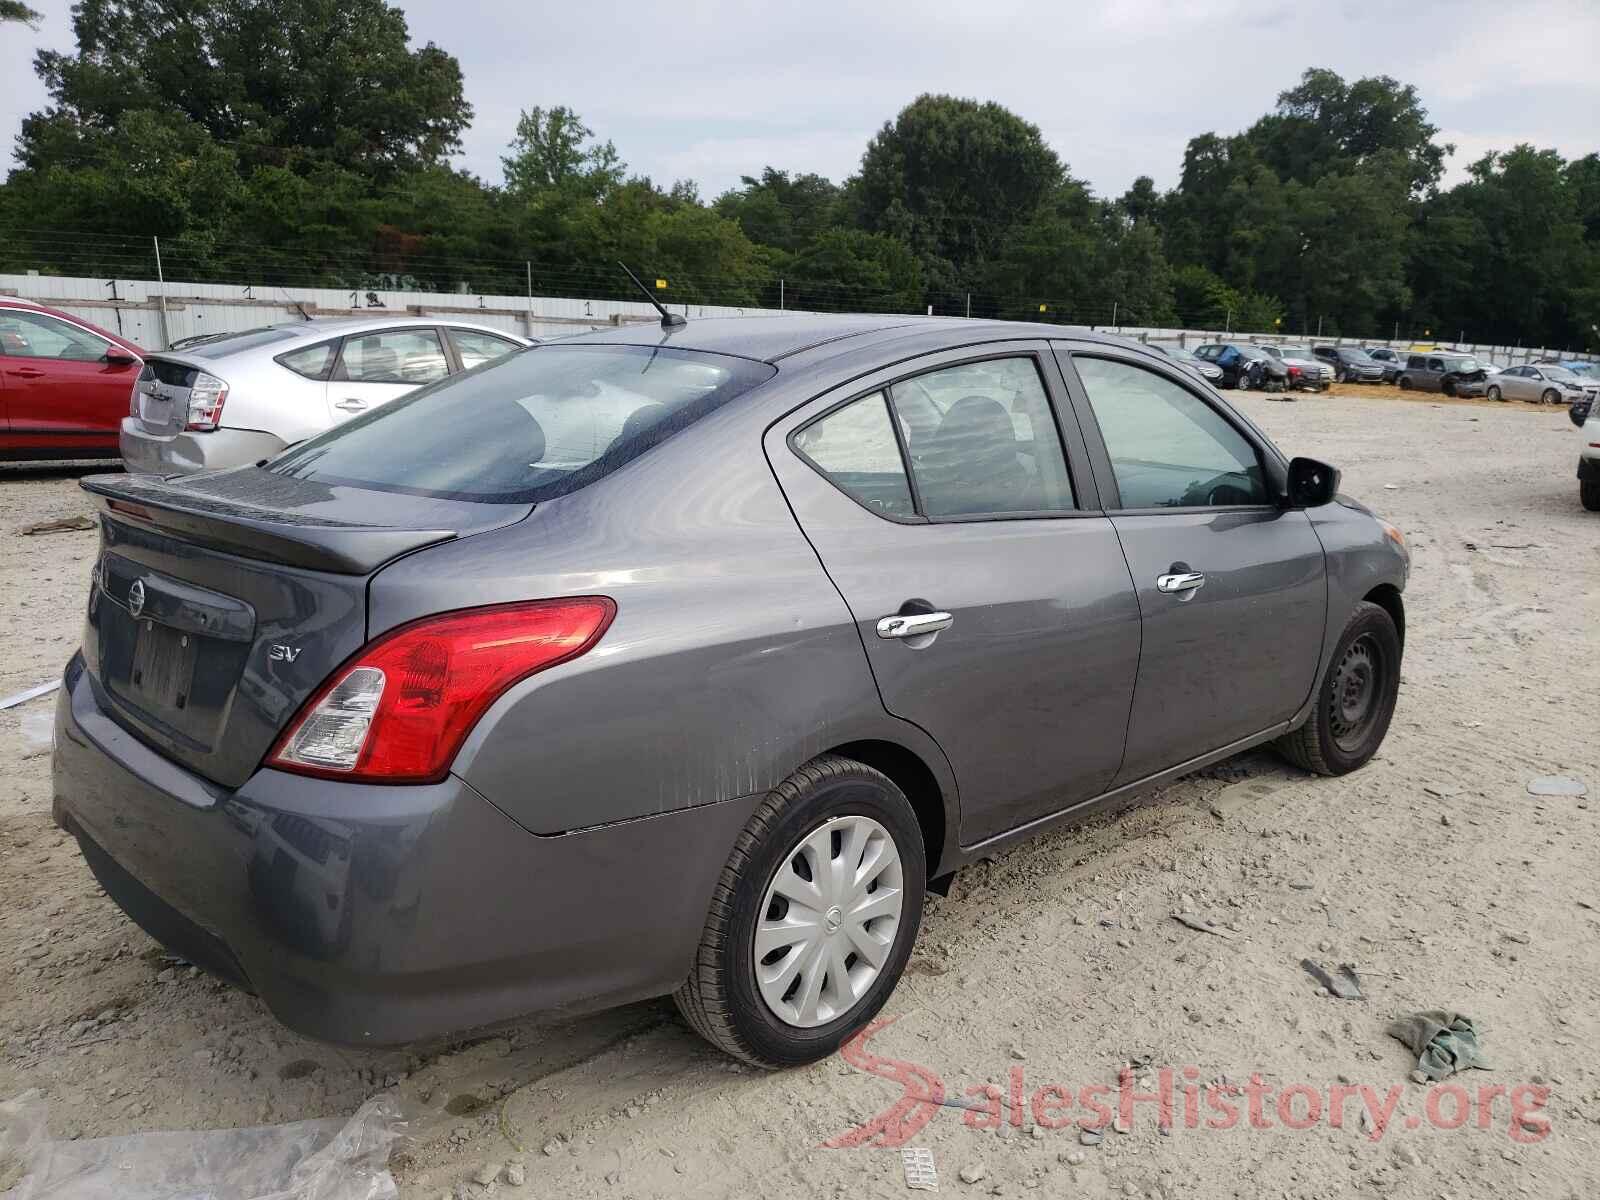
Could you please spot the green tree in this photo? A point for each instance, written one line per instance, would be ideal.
(845, 269)
(15, 10)
(552, 150)
(781, 210)
(952, 179)
(279, 79)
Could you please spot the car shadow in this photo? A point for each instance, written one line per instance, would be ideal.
(74, 469)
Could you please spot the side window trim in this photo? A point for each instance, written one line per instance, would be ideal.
(1081, 476)
(1272, 466)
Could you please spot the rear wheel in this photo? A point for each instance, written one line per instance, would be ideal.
(1355, 700)
(1551, 396)
(1405, 383)
(1589, 493)
(812, 919)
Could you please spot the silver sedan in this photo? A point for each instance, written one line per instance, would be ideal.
(222, 402)
(1541, 384)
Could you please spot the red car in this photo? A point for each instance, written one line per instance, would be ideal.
(64, 384)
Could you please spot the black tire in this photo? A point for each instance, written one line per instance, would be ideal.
(1329, 743)
(1405, 383)
(1550, 396)
(1448, 386)
(719, 999)
(1494, 393)
(1589, 493)
(1344, 375)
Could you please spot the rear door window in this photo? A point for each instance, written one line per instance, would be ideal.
(410, 357)
(539, 425)
(855, 449)
(982, 440)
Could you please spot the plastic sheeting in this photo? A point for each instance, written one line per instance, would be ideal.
(309, 1160)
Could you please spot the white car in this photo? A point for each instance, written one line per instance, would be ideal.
(1585, 414)
(226, 401)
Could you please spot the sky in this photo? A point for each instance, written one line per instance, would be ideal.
(709, 90)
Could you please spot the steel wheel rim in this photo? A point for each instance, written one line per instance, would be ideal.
(1356, 693)
(828, 922)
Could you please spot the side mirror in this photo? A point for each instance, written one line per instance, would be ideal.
(1311, 483)
(119, 356)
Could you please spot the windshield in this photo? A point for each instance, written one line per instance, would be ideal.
(1179, 353)
(1257, 351)
(1355, 355)
(528, 427)
(1297, 352)
(1461, 365)
(1559, 374)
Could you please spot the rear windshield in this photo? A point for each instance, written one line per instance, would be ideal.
(233, 343)
(528, 427)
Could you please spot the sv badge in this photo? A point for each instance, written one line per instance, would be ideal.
(282, 653)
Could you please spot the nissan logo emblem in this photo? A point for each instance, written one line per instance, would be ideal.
(136, 597)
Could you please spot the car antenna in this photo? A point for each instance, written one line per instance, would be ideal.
(296, 303)
(668, 320)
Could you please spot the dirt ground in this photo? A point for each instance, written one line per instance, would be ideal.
(1433, 870)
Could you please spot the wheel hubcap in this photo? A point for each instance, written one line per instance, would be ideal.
(1355, 693)
(828, 921)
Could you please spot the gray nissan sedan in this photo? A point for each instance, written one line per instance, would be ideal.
(686, 659)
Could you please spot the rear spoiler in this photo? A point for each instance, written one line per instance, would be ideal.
(270, 535)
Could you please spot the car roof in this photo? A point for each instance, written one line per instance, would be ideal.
(322, 327)
(326, 326)
(772, 339)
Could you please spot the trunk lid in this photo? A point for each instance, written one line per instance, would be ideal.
(220, 602)
(163, 392)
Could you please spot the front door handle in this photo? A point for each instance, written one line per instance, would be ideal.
(910, 625)
(351, 405)
(1185, 581)
(27, 372)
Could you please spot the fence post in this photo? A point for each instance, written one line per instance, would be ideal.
(780, 293)
(161, 293)
(969, 304)
(529, 318)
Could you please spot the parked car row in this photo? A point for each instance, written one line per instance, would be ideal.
(72, 390)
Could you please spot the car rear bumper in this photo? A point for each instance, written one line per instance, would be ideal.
(379, 915)
(184, 452)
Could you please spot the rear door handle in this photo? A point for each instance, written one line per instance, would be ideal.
(351, 404)
(1185, 581)
(910, 625)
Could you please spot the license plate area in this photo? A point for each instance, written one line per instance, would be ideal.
(162, 675)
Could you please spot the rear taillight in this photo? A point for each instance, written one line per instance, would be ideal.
(206, 398)
(399, 710)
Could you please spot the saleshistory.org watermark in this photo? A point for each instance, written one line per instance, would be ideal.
(1176, 1096)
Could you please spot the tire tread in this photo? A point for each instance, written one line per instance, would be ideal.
(700, 998)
